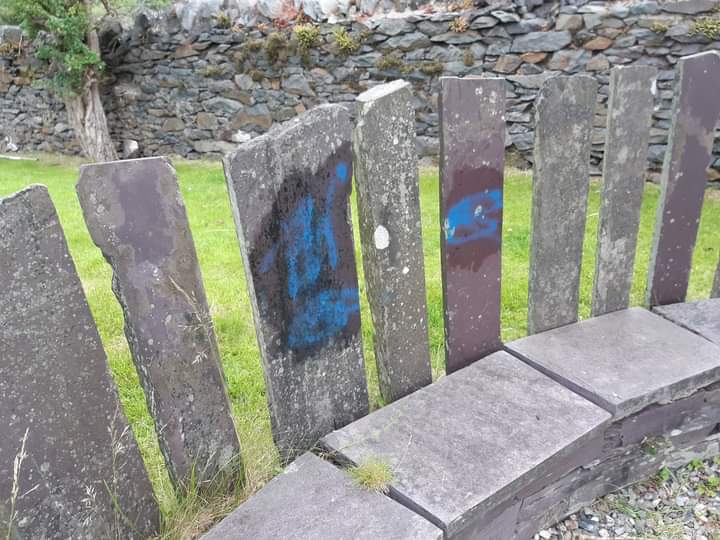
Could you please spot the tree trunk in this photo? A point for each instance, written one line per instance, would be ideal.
(87, 117)
(85, 111)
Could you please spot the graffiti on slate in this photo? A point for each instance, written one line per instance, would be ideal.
(305, 257)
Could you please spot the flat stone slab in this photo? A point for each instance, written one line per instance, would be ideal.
(313, 499)
(136, 216)
(464, 447)
(701, 317)
(624, 361)
(65, 445)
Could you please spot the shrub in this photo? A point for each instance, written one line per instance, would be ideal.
(345, 41)
(306, 36)
(707, 27)
(460, 25)
(277, 42)
(223, 20)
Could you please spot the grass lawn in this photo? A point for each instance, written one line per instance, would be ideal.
(203, 187)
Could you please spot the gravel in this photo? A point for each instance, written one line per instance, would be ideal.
(680, 504)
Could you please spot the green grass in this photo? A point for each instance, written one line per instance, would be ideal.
(203, 188)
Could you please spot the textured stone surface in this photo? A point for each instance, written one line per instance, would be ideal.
(715, 292)
(624, 361)
(289, 191)
(628, 131)
(541, 41)
(563, 119)
(57, 394)
(463, 447)
(136, 216)
(702, 317)
(314, 499)
(471, 208)
(386, 177)
(696, 111)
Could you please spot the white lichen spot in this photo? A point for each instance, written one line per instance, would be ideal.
(405, 270)
(381, 236)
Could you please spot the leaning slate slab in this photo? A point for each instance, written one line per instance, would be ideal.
(464, 448)
(312, 499)
(289, 191)
(136, 216)
(388, 192)
(80, 475)
(702, 317)
(624, 361)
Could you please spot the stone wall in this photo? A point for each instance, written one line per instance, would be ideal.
(201, 92)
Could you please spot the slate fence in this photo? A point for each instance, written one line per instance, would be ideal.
(66, 446)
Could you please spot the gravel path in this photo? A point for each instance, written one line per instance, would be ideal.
(681, 504)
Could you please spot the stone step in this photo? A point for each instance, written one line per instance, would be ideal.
(624, 361)
(701, 317)
(464, 449)
(313, 499)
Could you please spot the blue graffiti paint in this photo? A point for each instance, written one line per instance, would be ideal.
(307, 242)
(474, 217)
(321, 316)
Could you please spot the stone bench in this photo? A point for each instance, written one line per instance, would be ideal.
(506, 446)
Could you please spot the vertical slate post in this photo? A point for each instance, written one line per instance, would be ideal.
(472, 152)
(80, 472)
(628, 131)
(696, 109)
(387, 181)
(715, 293)
(136, 216)
(289, 191)
(564, 113)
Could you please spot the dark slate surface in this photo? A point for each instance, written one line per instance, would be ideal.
(563, 117)
(461, 448)
(289, 191)
(56, 388)
(696, 111)
(136, 216)
(715, 292)
(629, 117)
(624, 361)
(702, 317)
(472, 147)
(386, 177)
(313, 500)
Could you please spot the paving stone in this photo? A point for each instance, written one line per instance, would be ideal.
(696, 110)
(58, 396)
(289, 191)
(313, 499)
(628, 129)
(136, 216)
(624, 361)
(471, 209)
(464, 447)
(386, 176)
(564, 113)
(702, 317)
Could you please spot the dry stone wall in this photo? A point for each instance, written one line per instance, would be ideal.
(200, 92)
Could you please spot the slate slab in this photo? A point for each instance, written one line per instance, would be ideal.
(702, 317)
(624, 361)
(715, 292)
(696, 111)
(564, 112)
(312, 499)
(464, 447)
(136, 216)
(630, 109)
(472, 155)
(58, 400)
(289, 191)
(386, 177)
